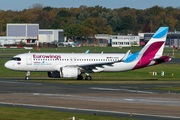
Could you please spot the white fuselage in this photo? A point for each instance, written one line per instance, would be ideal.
(53, 61)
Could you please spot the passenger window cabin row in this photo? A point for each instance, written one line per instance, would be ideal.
(80, 59)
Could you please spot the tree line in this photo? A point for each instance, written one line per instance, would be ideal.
(89, 21)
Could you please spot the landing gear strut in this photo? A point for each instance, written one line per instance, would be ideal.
(27, 75)
(88, 77)
(79, 77)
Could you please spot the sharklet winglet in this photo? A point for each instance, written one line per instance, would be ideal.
(125, 56)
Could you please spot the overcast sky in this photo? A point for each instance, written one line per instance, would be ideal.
(138, 4)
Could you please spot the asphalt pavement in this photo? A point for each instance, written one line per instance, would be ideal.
(120, 100)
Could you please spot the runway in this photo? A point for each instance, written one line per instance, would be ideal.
(96, 99)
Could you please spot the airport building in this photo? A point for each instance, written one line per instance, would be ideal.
(112, 40)
(124, 40)
(51, 35)
(102, 38)
(173, 38)
(9, 40)
(98, 40)
(25, 32)
(29, 33)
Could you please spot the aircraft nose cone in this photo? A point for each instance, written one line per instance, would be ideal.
(7, 65)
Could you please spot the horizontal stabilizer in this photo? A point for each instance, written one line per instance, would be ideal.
(162, 59)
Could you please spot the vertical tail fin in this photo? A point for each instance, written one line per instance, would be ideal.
(155, 46)
(153, 49)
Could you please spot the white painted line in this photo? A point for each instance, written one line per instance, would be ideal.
(92, 110)
(129, 99)
(96, 88)
(36, 94)
(20, 82)
(45, 94)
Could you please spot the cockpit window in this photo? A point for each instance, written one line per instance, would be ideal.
(16, 59)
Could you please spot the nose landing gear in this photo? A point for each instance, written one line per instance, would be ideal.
(27, 75)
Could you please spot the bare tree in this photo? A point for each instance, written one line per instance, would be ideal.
(36, 6)
(82, 7)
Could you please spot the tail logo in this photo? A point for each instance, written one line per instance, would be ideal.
(153, 48)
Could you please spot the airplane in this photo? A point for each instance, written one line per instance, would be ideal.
(73, 65)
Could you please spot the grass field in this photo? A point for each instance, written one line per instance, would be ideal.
(167, 51)
(72, 49)
(81, 49)
(10, 113)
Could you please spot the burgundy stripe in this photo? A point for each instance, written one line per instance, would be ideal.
(149, 55)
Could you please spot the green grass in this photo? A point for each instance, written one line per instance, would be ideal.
(10, 113)
(167, 51)
(75, 49)
(80, 49)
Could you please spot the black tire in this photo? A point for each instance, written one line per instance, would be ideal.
(88, 77)
(80, 77)
(27, 78)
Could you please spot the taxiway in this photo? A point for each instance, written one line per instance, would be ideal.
(97, 99)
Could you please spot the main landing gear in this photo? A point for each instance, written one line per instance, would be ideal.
(27, 75)
(88, 77)
(79, 77)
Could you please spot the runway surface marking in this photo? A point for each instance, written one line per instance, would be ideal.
(17, 82)
(92, 110)
(137, 100)
(96, 88)
(51, 94)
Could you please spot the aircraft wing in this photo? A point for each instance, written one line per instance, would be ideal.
(93, 65)
(96, 64)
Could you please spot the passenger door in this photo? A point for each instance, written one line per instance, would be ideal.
(28, 59)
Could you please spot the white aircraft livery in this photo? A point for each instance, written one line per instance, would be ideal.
(73, 65)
